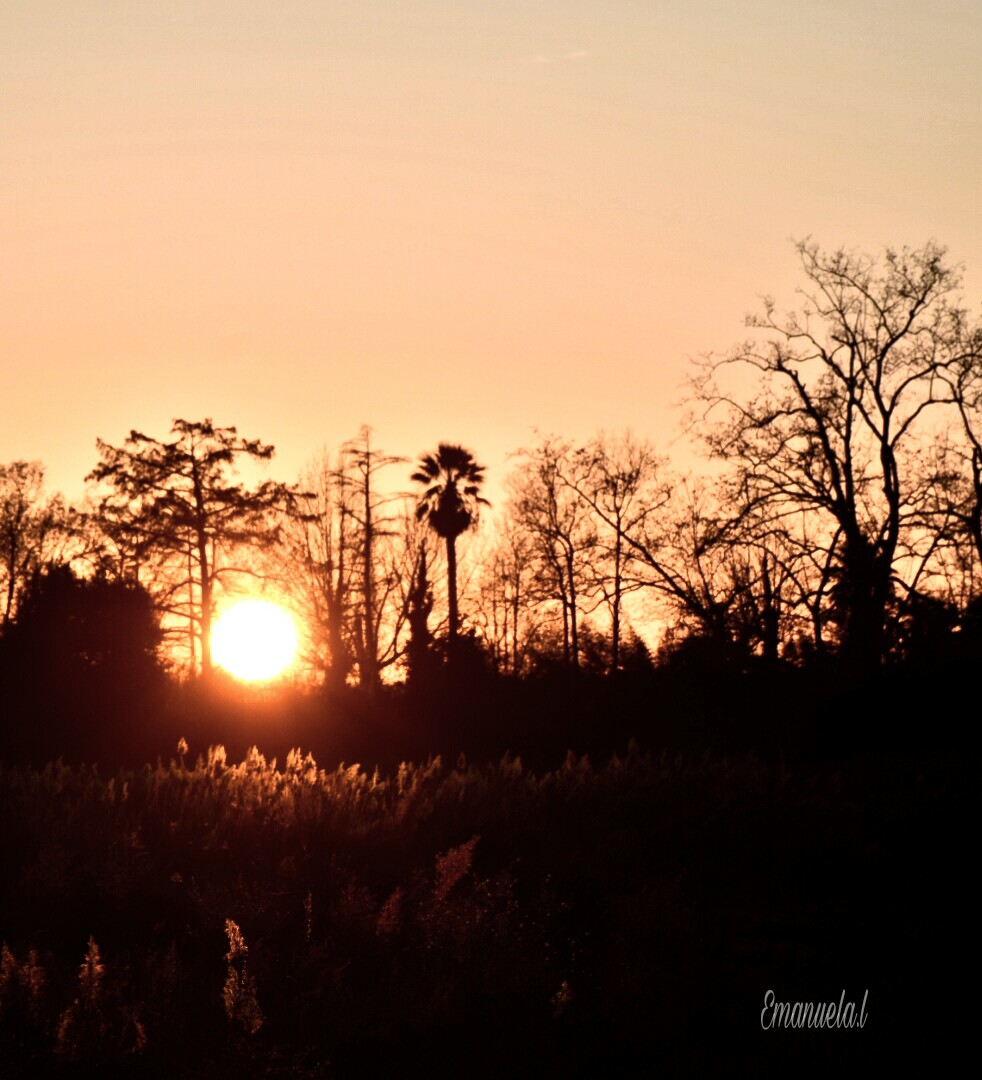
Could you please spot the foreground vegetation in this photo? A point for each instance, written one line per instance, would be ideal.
(255, 918)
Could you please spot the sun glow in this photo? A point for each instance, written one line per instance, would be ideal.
(254, 640)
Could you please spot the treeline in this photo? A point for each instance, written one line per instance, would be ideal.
(838, 525)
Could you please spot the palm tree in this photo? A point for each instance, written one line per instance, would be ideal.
(449, 505)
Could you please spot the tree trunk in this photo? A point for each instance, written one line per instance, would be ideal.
(975, 515)
(11, 581)
(864, 597)
(369, 672)
(201, 538)
(337, 673)
(452, 591)
(770, 616)
(615, 632)
(514, 630)
(334, 588)
(574, 636)
(192, 647)
(418, 648)
(206, 606)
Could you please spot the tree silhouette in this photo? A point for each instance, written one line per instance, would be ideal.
(958, 475)
(449, 505)
(419, 655)
(363, 465)
(174, 499)
(349, 558)
(844, 395)
(508, 599)
(32, 528)
(79, 666)
(320, 557)
(556, 519)
(618, 477)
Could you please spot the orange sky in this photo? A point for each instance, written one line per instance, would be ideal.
(452, 221)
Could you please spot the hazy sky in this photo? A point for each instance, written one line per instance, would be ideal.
(453, 221)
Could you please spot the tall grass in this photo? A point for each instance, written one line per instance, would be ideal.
(576, 910)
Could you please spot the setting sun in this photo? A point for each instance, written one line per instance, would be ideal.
(254, 640)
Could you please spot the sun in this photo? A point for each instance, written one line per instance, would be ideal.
(254, 640)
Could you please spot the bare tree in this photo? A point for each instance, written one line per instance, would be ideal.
(352, 554)
(841, 396)
(618, 477)
(507, 598)
(555, 516)
(321, 546)
(958, 474)
(371, 511)
(35, 529)
(405, 555)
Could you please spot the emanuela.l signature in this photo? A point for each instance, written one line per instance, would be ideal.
(800, 1014)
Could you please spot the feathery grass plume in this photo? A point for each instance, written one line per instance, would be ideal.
(8, 974)
(239, 993)
(453, 866)
(91, 972)
(32, 983)
(92, 1029)
(300, 767)
(21, 988)
(255, 761)
(216, 758)
(82, 1026)
(387, 924)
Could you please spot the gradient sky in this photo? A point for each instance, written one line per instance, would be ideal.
(453, 221)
